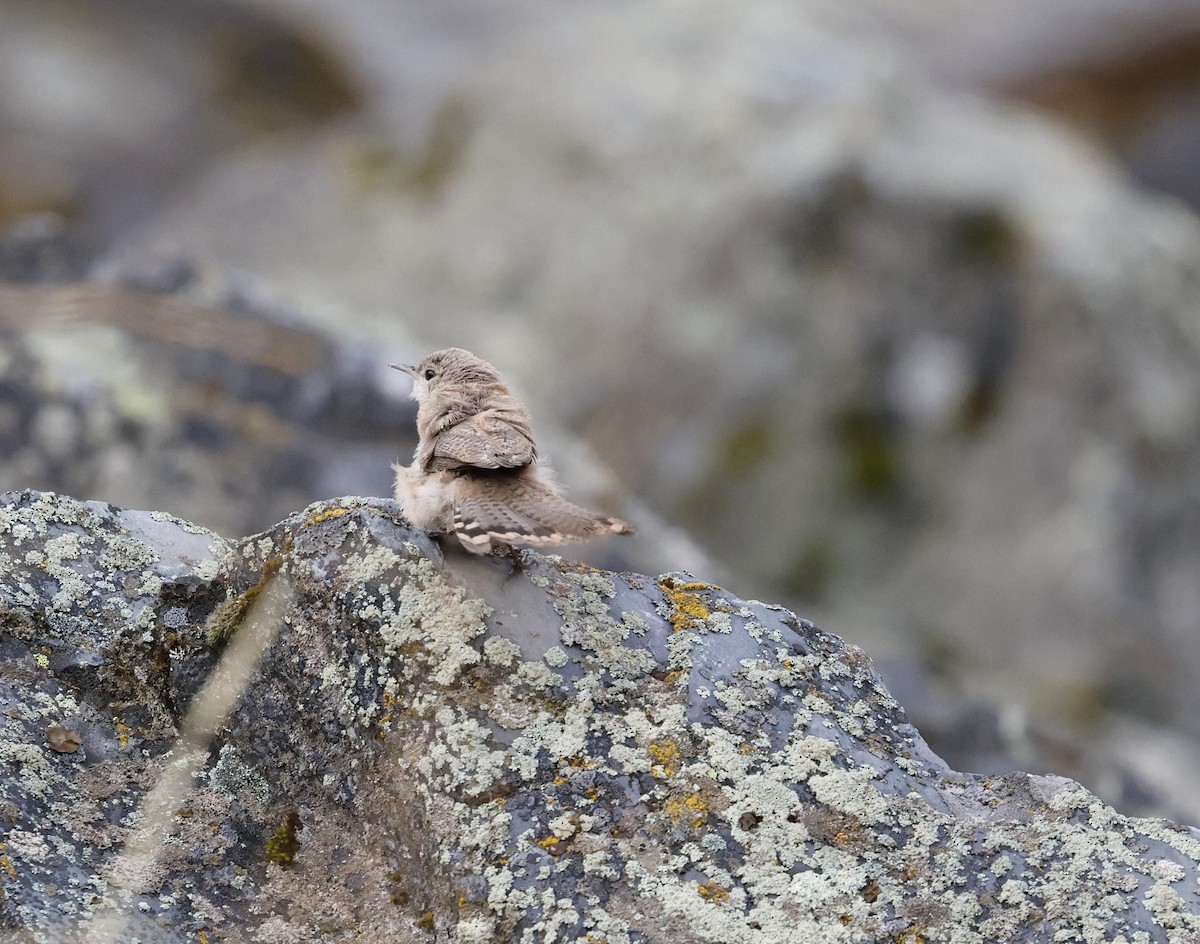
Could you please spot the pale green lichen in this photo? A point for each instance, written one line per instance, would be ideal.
(538, 675)
(233, 776)
(187, 526)
(476, 930)
(65, 547)
(461, 753)
(122, 552)
(419, 606)
(26, 845)
(500, 651)
(635, 623)
(35, 768)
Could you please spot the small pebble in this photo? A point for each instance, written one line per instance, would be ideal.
(63, 740)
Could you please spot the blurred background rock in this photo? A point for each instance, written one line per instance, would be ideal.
(894, 308)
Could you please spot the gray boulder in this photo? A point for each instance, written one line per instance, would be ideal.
(343, 730)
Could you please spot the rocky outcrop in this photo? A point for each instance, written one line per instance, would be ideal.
(889, 350)
(340, 730)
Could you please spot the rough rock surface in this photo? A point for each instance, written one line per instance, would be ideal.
(892, 352)
(514, 748)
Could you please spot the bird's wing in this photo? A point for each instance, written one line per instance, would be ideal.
(481, 441)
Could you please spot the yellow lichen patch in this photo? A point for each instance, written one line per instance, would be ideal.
(686, 607)
(549, 842)
(691, 810)
(9, 868)
(202, 937)
(666, 756)
(122, 732)
(713, 891)
(326, 515)
(388, 702)
(910, 936)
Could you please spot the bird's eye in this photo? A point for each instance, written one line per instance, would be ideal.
(430, 374)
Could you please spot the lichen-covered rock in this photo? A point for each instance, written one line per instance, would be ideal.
(889, 350)
(435, 747)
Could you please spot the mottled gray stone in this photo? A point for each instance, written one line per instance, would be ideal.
(437, 747)
(184, 389)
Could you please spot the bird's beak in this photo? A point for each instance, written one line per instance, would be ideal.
(409, 369)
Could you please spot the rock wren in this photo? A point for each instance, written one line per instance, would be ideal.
(475, 471)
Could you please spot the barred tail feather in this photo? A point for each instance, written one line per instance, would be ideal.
(478, 523)
(523, 510)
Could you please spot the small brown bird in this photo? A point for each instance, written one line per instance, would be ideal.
(475, 471)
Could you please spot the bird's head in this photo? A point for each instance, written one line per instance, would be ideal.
(449, 369)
